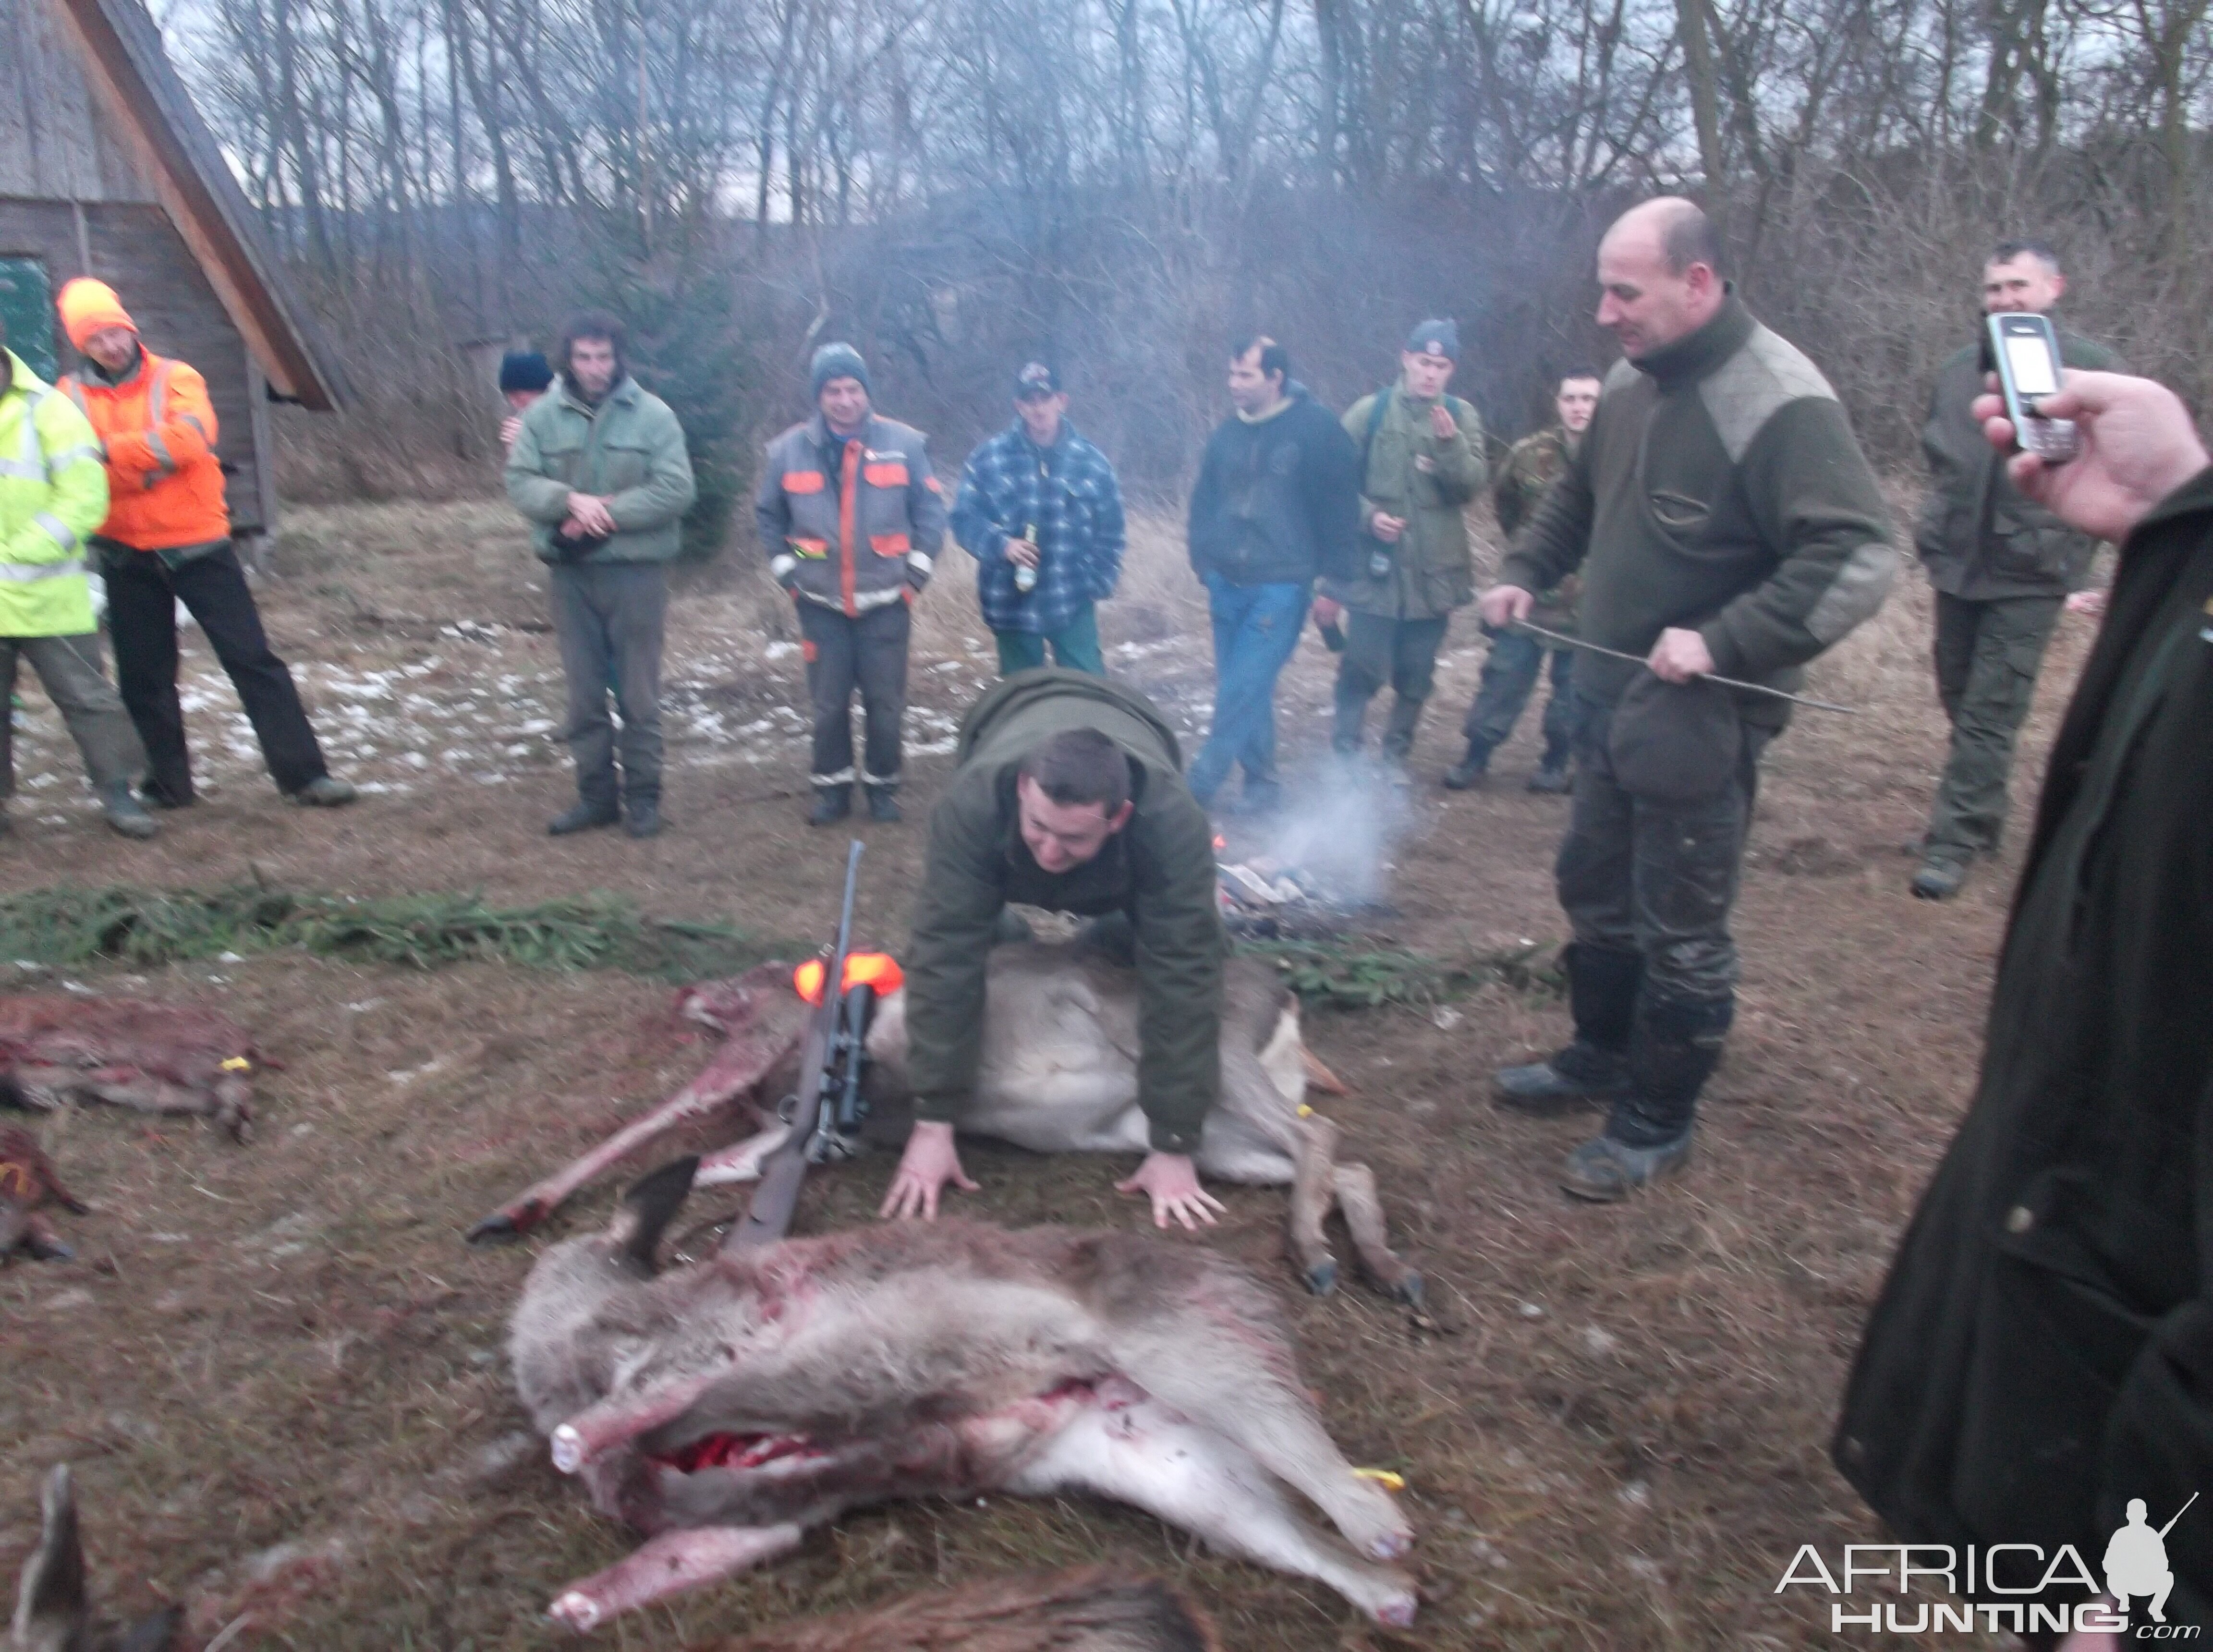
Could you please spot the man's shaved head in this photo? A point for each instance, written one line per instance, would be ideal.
(1660, 268)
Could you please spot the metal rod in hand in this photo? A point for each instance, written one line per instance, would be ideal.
(1565, 641)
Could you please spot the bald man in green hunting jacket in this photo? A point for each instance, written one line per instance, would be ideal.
(1069, 795)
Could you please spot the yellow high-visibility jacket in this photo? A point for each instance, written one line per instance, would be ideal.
(53, 496)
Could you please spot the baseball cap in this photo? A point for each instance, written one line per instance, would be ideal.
(1036, 378)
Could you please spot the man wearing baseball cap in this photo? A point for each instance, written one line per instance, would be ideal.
(1041, 511)
(1421, 461)
(166, 540)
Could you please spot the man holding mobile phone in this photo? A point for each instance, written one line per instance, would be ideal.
(2002, 565)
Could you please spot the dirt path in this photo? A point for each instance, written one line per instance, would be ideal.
(280, 1373)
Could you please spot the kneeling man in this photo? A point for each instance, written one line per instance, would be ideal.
(1069, 795)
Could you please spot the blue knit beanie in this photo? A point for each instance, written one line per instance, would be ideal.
(837, 361)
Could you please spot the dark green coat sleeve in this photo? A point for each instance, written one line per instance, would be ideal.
(948, 952)
(1815, 499)
(1181, 951)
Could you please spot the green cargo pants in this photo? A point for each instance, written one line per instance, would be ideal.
(1988, 654)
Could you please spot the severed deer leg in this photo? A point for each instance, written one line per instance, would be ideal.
(740, 1161)
(737, 1067)
(1313, 1190)
(1356, 1197)
(668, 1565)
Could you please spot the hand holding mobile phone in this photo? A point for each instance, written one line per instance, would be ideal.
(2024, 347)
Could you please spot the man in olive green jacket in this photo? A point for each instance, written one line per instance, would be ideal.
(600, 466)
(1422, 461)
(2002, 565)
(1069, 795)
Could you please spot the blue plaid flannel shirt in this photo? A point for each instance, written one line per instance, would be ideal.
(1070, 493)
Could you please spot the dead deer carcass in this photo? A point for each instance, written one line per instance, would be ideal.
(156, 1058)
(29, 1183)
(1091, 1609)
(54, 1608)
(1058, 1074)
(724, 1408)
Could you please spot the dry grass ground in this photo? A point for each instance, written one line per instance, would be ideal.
(279, 1371)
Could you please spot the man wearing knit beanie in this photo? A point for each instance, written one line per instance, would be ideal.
(1420, 458)
(166, 540)
(849, 517)
(524, 376)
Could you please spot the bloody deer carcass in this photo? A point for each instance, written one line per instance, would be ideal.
(1088, 1609)
(155, 1057)
(724, 1408)
(1058, 1074)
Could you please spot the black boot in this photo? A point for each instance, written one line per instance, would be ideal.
(1398, 731)
(883, 804)
(1470, 770)
(1551, 774)
(831, 805)
(1672, 1053)
(586, 816)
(1602, 996)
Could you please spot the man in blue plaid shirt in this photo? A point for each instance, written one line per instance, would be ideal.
(1041, 511)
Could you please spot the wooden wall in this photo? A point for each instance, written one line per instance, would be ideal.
(54, 146)
(72, 197)
(138, 251)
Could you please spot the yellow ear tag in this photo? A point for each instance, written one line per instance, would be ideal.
(1382, 1476)
(237, 1064)
(1305, 1112)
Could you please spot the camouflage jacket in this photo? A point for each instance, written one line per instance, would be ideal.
(1532, 466)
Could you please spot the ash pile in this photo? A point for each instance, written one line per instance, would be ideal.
(1263, 900)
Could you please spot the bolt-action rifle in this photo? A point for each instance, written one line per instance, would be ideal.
(827, 1111)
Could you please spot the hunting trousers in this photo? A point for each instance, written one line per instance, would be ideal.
(1988, 654)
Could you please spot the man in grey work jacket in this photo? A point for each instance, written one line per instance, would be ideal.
(851, 517)
(600, 466)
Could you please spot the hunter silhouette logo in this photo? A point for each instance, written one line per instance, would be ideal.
(2136, 1560)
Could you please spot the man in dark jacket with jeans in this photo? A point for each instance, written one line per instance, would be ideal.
(1727, 525)
(1276, 503)
(2042, 1352)
(2002, 565)
(599, 466)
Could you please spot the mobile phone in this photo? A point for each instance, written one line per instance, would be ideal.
(2024, 349)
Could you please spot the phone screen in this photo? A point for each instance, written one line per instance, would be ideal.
(2028, 360)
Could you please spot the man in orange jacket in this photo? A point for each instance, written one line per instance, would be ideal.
(167, 539)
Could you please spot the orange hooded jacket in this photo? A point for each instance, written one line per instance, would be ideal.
(157, 431)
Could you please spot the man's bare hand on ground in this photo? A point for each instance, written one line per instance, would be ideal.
(930, 1161)
(1386, 526)
(1505, 605)
(1172, 1181)
(1679, 655)
(2138, 446)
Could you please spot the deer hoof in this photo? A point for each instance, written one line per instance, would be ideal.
(1409, 1289)
(497, 1229)
(1321, 1278)
(1398, 1611)
(577, 1610)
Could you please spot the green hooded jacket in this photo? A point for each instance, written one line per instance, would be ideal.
(1159, 869)
(1411, 473)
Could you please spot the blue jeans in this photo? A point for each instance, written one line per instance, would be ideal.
(1256, 628)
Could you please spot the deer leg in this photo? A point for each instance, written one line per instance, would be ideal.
(41, 1243)
(227, 1102)
(668, 1565)
(1364, 1216)
(623, 1417)
(740, 1161)
(1312, 1192)
(1147, 1454)
(732, 1073)
(1318, 1076)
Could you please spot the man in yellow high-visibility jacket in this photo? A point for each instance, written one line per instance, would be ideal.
(53, 495)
